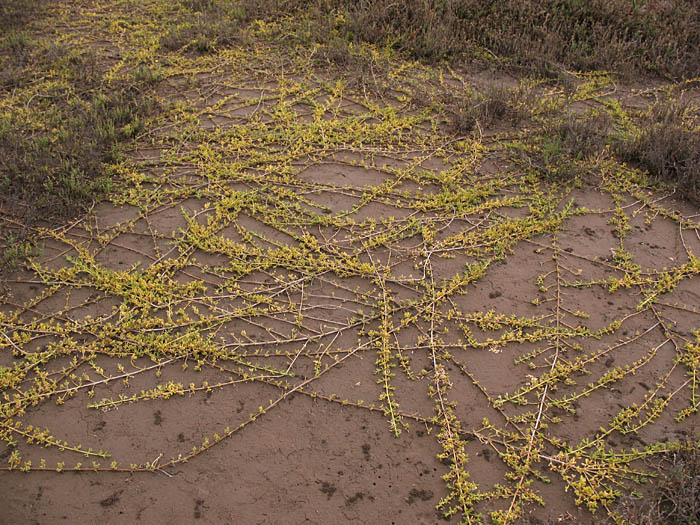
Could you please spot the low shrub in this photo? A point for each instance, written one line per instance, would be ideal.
(674, 497)
(580, 136)
(476, 110)
(667, 145)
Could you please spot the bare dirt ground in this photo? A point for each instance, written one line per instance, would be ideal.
(311, 300)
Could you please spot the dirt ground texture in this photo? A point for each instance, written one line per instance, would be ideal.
(314, 296)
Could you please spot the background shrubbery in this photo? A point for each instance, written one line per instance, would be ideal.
(668, 145)
(652, 36)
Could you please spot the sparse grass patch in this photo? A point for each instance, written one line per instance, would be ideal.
(53, 150)
(213, 24)
(146, 75)
(16, 13)
(200, 37)
(15, 247)
(59, 171)
(15, 51)
(18, 44)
